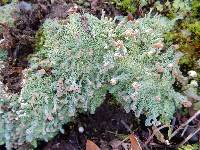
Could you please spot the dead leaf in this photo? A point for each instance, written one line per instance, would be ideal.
(91, 146)
(135, 145)
(130, 17)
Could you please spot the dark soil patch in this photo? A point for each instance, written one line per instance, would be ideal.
(20, 40)
(102, 127)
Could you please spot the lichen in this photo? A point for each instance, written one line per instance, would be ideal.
(79, 61)
(6, 14)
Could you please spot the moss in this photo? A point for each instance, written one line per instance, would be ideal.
(39, 39)
(3, 2)
(195, 29)
(126, 5)
(186, 60)
(189, 147)
(171, 9)
(196, 8)
(171, 14)
(187, 33)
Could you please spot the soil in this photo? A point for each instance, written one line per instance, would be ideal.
(110, 124)
(102, 127)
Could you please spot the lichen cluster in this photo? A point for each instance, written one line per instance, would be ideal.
(82, 58)
(6, 14)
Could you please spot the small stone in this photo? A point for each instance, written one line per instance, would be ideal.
(81, 129)
(24, 6)
(167, 142)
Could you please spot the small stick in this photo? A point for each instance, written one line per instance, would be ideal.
(189, 136)
(154, 132)
(184, 130)
(173, 121)
(126, 126)
(184, 124)
(122, 141)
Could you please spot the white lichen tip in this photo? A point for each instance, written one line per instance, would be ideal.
(192, 74)
(113, 81)
(194, 83)
(151, 52)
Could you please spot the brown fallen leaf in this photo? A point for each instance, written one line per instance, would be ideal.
(91, 146)
(135, 145)
(130, 17)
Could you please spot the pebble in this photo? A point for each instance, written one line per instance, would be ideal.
(81, 129)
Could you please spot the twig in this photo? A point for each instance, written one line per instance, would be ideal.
(161, 146)
(189, 137)
(184, 130)
(126, 126)
(173, 121)
(154, 133)
(117, 135)
(112, 133)
(129, 129)
(122, 141)
(184, 124)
